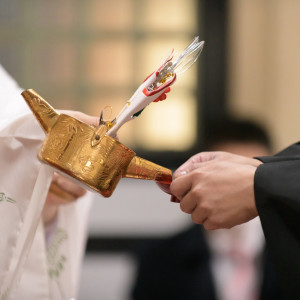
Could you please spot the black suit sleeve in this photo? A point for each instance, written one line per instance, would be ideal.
(277, 195)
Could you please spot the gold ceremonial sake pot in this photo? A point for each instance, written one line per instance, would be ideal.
(85, 153)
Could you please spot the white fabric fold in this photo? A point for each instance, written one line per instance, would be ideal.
(27, 269)
(27, 231)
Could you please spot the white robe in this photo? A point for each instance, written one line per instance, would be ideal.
(29, 269)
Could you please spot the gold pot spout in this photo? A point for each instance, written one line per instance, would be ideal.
(140, 168)
(44, 113)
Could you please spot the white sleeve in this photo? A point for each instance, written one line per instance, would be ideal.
(24, 182)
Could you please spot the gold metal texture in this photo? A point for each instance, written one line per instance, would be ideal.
(85, 153)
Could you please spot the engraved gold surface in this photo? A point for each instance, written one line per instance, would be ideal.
(85, 153)
(140, 168)
(44, 112)
(68, 147)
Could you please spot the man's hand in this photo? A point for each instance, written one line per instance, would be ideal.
(217, 189)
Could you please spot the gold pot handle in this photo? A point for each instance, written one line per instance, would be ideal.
(44, 112)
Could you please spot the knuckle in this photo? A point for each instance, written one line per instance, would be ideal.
(217, 222)
(228, 226)
(198, 174)
(205, 207)
(184, 207)
(196, 158)
(196, 219)
(173, 189)
(209, 226)
(196, 193)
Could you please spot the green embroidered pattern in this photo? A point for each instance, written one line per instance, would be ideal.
(4, 197)
(57, 268)
(56, 261)
(4, 295)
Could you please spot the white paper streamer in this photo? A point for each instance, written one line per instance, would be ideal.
(27, 232)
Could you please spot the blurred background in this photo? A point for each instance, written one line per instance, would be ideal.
(84, 55)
